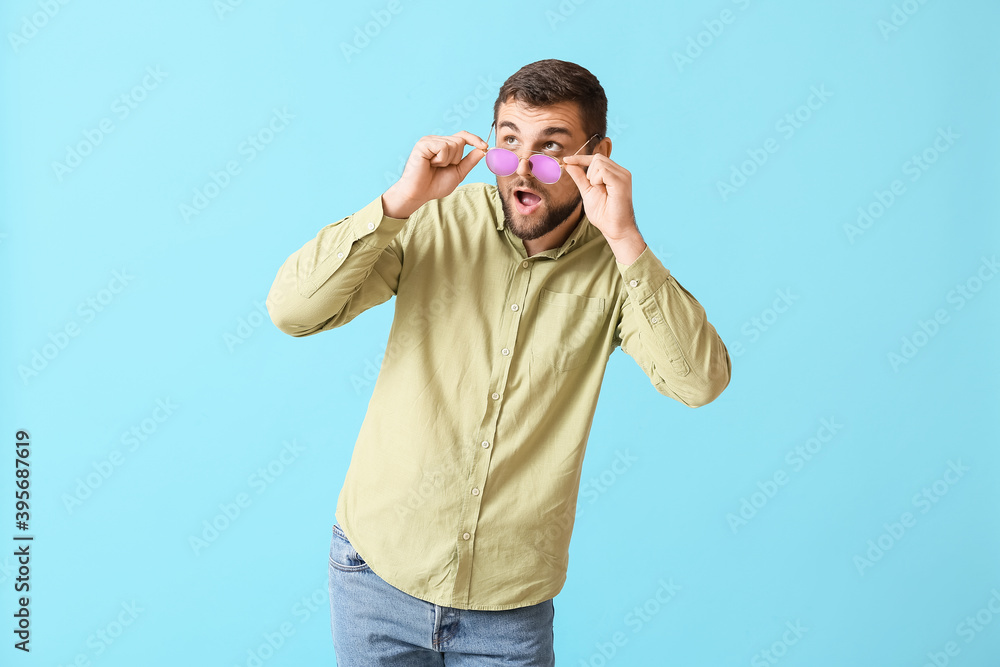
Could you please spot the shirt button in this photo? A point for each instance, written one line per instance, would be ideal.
(524, 265)
(371, 225)
(655, 320)
(505, 352)
(495, 396)
(633, 283)
(475, 492)
(486, 444)
(513, 307)
(340, 255)
(466, 536)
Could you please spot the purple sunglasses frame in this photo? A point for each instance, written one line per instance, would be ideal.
(540, 154)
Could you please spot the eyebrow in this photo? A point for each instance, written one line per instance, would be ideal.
(547, 132)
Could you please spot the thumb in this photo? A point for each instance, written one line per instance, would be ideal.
(579, 176)
(470, 161)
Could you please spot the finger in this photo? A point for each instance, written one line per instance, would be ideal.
(471, 139)
(440, 158)
(455, 149)
(579, 177)
(432, 149)
(582, 160)
(446, 152)
(607, 181)
(610, 175)
(603, 170)
(468, 162)
(458, 144)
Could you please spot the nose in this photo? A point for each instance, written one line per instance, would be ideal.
(523, 167)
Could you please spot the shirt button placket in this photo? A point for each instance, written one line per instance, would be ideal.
(480, 472)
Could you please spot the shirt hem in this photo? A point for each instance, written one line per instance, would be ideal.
(438, 601)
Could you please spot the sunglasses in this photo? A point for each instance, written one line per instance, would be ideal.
(545, 168)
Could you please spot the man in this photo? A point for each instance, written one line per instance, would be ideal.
(454, 521)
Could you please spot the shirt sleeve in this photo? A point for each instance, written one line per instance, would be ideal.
(666, 331)
(350, 266)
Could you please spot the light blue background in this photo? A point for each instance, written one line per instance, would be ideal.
(198, 285)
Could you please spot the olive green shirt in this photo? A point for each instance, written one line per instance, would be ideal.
(463, 483)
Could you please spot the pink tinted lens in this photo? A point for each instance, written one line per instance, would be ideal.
(501, 161)
(545, 168)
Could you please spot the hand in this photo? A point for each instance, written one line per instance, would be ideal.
(433, 170)
(606, 188)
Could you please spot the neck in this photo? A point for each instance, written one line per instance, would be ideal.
(557, 236)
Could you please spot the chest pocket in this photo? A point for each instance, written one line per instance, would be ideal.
(567, 326)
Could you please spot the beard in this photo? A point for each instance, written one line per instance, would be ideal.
(527, 230)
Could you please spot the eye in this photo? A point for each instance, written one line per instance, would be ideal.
(510, 141)
(552, 146)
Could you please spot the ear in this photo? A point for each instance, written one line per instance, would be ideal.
(603, 147)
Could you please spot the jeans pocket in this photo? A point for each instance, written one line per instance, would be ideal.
(343, 555)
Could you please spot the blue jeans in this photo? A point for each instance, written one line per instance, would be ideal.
(374, 623)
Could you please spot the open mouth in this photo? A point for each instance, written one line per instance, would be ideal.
(526, 202)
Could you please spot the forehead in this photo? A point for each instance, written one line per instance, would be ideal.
(534, 120)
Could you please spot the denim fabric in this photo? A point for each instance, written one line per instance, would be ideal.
(374, 623)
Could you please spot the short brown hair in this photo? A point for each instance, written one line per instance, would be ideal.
(547, 82)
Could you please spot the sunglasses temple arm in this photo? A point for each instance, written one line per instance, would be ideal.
(488, 139)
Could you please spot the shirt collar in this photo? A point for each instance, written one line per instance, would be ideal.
(581, 233)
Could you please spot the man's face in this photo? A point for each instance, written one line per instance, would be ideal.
(532, 208)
